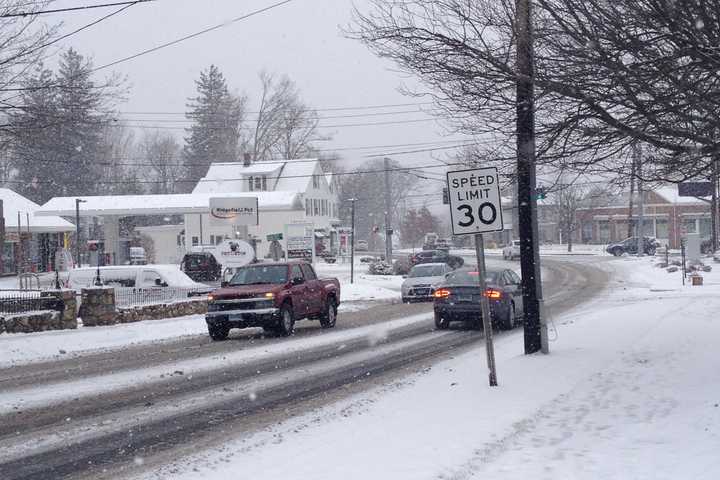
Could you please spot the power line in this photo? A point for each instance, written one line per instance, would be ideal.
(63, 37)
(193, 35)
(72, 9)
(324, 109)
(156, 48)
(132, 182)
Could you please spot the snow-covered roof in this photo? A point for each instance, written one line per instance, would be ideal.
(14, 202)
(159, 204)
(295, 175)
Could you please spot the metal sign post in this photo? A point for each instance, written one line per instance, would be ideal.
(475, 208)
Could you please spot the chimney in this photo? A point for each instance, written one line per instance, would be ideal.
(247, 159)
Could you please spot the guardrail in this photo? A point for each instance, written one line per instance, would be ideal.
(131, 296)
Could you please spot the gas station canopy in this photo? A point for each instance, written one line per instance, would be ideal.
(170, 204)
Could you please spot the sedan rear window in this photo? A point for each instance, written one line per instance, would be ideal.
(470, 277)
(427, 271)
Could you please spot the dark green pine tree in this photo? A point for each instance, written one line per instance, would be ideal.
(216, 115)
(58, 134)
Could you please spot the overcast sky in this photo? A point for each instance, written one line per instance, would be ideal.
(302, 39)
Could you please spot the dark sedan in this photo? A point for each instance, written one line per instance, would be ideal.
(457, 298)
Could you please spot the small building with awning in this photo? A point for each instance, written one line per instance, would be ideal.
(30, 241)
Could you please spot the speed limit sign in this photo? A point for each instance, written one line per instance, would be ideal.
(475, 205)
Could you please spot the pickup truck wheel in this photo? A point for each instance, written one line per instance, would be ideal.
(286, 323)
(218, 332)
(329, 317)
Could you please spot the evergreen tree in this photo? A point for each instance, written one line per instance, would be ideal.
(215, 133)
(57, 136)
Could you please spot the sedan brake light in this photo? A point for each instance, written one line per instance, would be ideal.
(493, 294)
(441, 293)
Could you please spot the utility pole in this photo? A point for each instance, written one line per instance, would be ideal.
(535, 328)
(388, 201)
(78, 201)
(641, 201)
(714, 204)
(352, 239)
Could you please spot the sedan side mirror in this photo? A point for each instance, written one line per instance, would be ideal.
(297, 281)
(224, 284)
(404, 276)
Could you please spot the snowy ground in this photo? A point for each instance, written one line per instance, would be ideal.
(630, 390)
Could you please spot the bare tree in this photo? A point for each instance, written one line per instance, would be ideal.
(285, 126)
(568, 198)
(607, 74)
(162, 153)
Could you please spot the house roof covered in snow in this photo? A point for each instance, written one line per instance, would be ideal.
(14, 202)
(159, 204)
(290, 176)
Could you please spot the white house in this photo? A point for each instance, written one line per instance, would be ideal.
(302, 194)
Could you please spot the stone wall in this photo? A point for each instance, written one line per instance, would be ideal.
(69, 316)
(162, 310)
(39, 321)
(97, 307)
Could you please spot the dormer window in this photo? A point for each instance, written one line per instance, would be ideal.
(257, 184)
(250, 184)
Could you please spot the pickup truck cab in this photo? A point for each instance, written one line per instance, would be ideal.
(272, 296)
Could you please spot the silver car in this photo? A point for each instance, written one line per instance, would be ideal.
(419, 285)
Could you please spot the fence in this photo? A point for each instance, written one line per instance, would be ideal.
(129, 296)
(23, 301)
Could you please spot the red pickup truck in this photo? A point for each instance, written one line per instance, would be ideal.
(272, 296)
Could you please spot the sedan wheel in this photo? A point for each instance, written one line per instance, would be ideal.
(441, 323)
(508, 320)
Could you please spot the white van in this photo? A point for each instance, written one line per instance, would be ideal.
(134, 276)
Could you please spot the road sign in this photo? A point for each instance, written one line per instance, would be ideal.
(274, 236)
(695, 189)
(475, 205)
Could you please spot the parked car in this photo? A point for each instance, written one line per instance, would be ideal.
(457, 298)
(361, 246)
(134, 276)
(419, 284)
(201, 266)
(273, 296)
(630, 246)
(443, 244)
(512, 250)
(436, 256)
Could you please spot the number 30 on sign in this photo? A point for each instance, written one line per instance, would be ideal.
(475, 204)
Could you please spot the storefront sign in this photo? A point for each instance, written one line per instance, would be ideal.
(234, 211)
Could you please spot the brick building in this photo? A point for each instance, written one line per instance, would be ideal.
(667, 217)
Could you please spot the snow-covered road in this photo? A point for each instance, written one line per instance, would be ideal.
(110, 406)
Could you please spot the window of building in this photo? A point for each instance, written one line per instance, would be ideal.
(316, 207)
(258, 183)
(212, 239)
(250, 183)
(264, 183)
(195, 241)
(690, 225)
(308, 207)
(316, 181)
(603, 230)
(218, 239)
(705, 227)
(323, 208)
(661, 228)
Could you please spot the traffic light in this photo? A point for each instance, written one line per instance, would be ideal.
(540, 193)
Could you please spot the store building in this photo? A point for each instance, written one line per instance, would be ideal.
(30, 242)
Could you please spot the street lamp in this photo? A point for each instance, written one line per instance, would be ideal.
(78, 201)
(352, 239)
